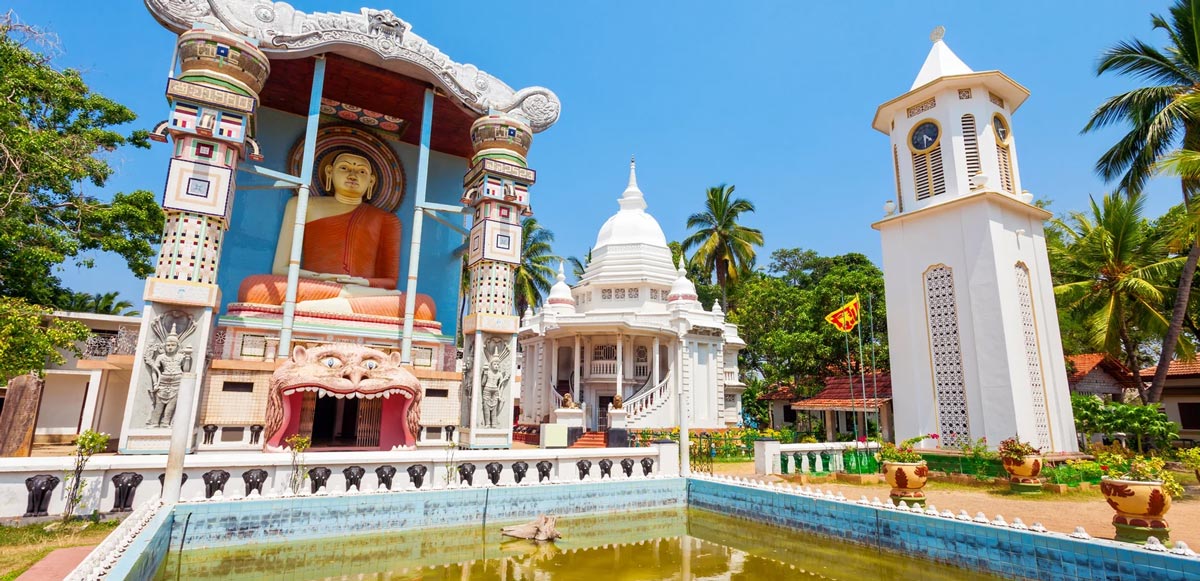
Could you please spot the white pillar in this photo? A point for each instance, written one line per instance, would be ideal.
(575, 371)
(620, 366)
(87, 419)
(657, 378)
(685, 459)
(181, 431)
(554, 364)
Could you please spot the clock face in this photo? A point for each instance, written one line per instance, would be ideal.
(1001, 128)
(925, 136)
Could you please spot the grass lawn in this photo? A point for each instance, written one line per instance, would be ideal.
(21, 547)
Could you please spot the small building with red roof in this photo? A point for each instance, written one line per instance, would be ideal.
(1101, 374)
(1181, 396)
(846, 400)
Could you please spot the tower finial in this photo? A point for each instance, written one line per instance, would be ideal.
(937, 34)
(632, 173)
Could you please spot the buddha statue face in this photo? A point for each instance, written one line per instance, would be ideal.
(349, 176)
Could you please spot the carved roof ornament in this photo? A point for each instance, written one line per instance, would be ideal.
(938, 33)
(282, 30)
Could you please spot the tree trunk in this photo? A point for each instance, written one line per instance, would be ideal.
(1171, 339)
(1131, 361)
(722, 273)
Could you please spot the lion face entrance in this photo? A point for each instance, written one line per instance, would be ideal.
(334, 422)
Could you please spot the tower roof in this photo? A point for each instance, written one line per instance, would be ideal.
(631, 246)
(941, 62)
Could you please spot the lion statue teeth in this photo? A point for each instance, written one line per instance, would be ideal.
(345, 371)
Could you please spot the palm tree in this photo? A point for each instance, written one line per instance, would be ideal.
(1160, 118)
(579, 266)
(535, 274)
(1114, 274)
(722, 245)
(107, 304)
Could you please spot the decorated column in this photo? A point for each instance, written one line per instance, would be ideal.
(497, 188)
(213, 103)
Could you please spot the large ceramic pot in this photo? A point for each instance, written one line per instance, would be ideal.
(907, 480)
(1023, 474)
(1140, 508)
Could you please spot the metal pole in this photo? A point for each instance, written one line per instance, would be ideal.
(181, 428)
(306, 171)
(874, 370)
(850, 376)
(862, 371)
(414, 251)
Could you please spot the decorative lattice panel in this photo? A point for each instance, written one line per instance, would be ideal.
(940, 304)
(1033, 359)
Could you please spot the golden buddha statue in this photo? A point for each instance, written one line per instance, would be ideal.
(350, 262)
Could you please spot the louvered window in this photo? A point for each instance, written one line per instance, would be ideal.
(971, 145)
(1004, 156)
(896, 166)
(928, 173)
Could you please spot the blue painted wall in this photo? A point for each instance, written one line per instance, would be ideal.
(249, 246)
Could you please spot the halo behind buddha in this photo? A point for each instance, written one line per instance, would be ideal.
(388, 192)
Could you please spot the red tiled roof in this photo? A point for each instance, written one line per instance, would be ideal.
(1088, 362)
(781, 392)
(1177, 369)
(841, 394)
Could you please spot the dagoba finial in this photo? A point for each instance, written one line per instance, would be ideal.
(937, 34)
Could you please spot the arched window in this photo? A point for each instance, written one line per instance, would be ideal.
(1003, 152)
(941, 307)
(971, 145)
(1033, 356)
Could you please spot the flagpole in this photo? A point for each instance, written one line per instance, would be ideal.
(862, 369)
(850, 376)
(874, 370)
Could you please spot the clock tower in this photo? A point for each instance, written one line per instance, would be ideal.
(972, 324)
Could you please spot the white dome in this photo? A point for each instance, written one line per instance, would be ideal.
(682, 290)
(560, 299)
(631, 225)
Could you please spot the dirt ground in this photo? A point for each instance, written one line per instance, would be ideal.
(1060, 513)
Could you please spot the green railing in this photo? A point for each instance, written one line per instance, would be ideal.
(964, 465)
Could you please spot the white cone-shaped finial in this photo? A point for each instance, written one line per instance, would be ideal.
(632, 198)
(560, 300)
(941, 61)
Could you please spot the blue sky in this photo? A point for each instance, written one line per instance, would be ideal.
(776, 98)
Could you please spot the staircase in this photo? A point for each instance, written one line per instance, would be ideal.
(591, 440)
(651, 407)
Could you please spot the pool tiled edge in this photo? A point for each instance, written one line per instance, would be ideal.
(1012, 553)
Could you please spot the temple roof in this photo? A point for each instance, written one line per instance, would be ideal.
(375, 37)
(631, 225)
(941, 62)
(631, 246)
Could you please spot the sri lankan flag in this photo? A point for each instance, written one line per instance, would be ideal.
(846, 317)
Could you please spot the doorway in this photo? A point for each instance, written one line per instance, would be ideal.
(334, 422)
(602, 412)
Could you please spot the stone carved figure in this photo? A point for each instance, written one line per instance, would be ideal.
(585, 468)
(385, 474)
(168, 359)
(214, 482)
(350, 262)
(520, 469)
(319, 477)
(162, 478)
(627, 467)
(256, 431)
(617, 402)
(125, 485)
(210, 431)
(647, 466)
(493, 470)
(543, 469)
(344, 370)
(543, 529)
(466, 473)
(494, 379)
(606, 468)
(254, 479)
(568, 402)
(40, 488)
(416, 473)
(354, 476)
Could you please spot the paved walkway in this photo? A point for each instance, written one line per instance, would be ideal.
(56, 565)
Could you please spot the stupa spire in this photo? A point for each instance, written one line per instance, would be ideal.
(632, 198)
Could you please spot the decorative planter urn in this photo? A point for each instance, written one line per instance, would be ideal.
(1140, 509)
(1023, 474)
(907, 480)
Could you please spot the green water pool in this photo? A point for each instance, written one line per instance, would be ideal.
(648, 545)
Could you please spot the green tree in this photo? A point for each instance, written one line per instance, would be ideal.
(723, 246)
(104, 304)
(55, 135)
(579, 265)
(29, 338)
(1160, 116)
(535, 275)
(756, 412)
(1114, 276)
(781, 316)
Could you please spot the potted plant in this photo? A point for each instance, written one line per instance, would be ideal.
(1140, 493)
(905, 470)
(1023, 463)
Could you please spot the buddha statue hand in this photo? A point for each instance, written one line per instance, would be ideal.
(351, 280)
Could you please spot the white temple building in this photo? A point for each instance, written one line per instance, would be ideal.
(632, 325)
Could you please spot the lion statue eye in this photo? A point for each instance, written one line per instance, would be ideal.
(330, 362)
(370, 364)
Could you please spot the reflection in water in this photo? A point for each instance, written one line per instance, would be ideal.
(643, 546)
